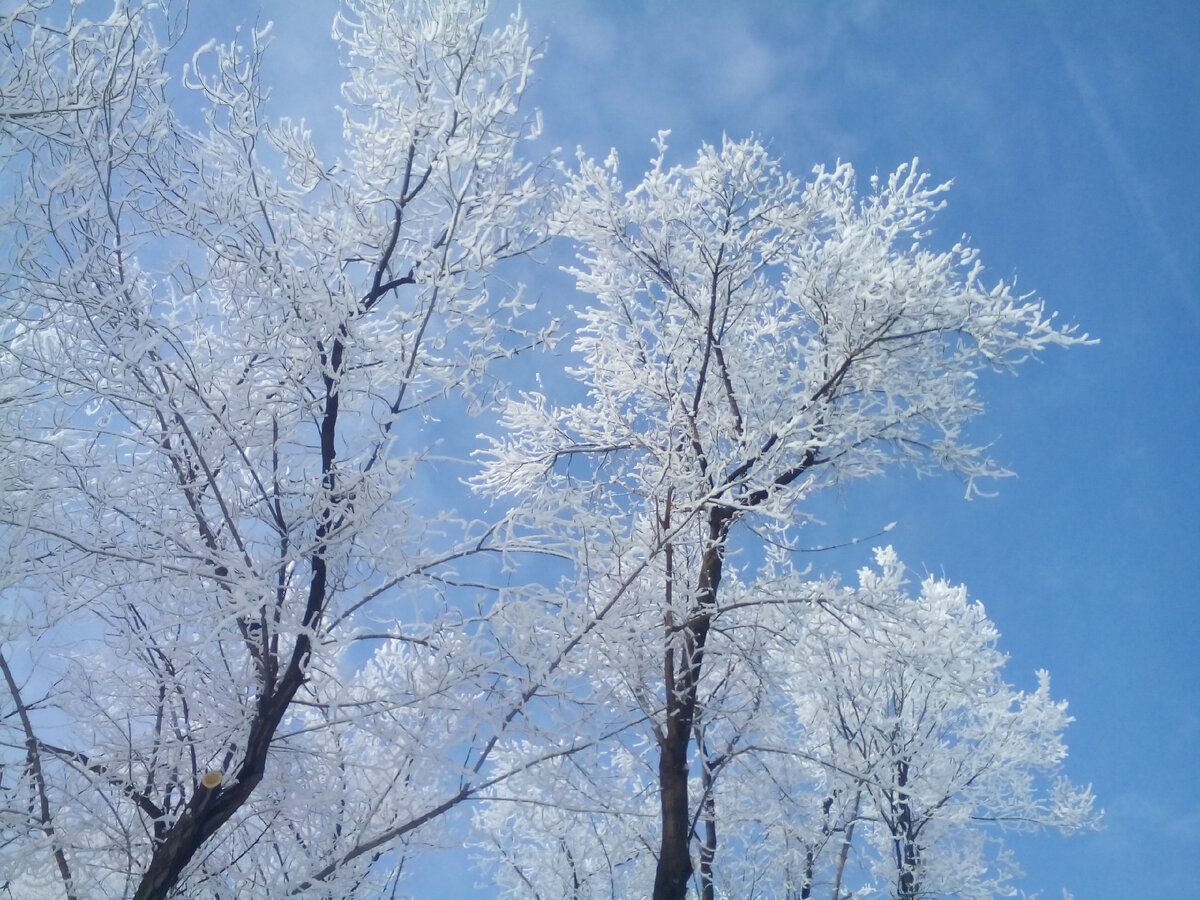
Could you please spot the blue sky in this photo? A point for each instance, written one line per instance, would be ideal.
(1070, 130)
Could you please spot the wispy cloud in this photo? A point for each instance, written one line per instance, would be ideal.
(1129, 180)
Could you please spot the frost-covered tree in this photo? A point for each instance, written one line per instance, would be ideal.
(223, 358)
(895, 753)
(854, 742)
(750, 340)
(904, 702)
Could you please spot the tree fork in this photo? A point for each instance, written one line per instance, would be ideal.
(211, 807)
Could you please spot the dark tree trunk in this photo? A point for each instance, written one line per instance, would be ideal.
(811, 850)
(211, 807)
(908, 851)
(674, 861)
(682, 684)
